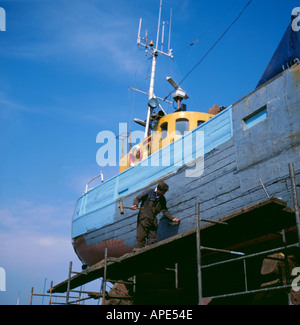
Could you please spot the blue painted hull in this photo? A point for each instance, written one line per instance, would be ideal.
(254, 138)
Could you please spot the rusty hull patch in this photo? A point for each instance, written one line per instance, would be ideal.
(296, 72)
(91, 254)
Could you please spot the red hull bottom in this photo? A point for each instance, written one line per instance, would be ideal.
(91, 254)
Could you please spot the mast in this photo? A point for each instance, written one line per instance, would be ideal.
(154, 52)
(151, 92)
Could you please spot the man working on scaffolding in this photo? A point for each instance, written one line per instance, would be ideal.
(152, 202)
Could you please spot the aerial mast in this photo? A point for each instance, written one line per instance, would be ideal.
(154, 51)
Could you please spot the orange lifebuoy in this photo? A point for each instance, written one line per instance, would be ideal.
(135, 155)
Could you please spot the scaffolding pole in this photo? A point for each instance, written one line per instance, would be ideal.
(295, 198)
(104, 277)
(198, 243)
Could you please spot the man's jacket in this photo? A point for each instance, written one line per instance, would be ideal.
(152, 204)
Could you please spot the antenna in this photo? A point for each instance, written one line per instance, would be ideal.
(179, 93)
(151, 47)
(170, 25)
(162, 35)
(154, 51)
(139, 32)
(158, 24)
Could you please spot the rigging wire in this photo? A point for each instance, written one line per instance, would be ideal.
(213, 46)
(208, 28)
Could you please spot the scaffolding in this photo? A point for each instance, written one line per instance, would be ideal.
(244, 238)
(245, 257)
(73, 297)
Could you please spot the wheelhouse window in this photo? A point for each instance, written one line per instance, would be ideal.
(164, 130)
(181, 126)
(256, 117)
(199, 122)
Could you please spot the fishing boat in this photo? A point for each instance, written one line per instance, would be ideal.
(226, 159)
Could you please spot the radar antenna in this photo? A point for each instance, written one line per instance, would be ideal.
(179, 94)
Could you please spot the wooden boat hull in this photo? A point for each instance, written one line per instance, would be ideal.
(253, 139)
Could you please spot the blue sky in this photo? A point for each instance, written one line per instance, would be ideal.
(65, 69)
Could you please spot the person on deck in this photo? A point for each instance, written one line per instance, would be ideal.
(152, 202)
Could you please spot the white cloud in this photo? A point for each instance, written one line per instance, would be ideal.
(47, 241)
(92, 34)
(35, 234)
(33, 249)
(35, 243)
(35, 216)
(8, 106)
